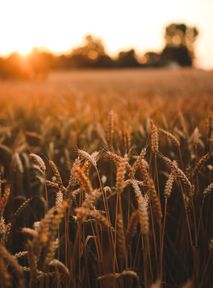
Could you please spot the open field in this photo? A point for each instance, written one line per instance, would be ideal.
(106, 180)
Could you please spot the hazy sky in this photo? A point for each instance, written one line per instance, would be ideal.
(61, 24)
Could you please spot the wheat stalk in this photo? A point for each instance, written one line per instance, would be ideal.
(120, 175)
(38, 161)
(169, 184)
(154, 137)
(56, 174)
(199, 165)
(170, 136)
(90, 200)
(4, 200)
(121, 241)
(155, 201)
(83, 179)
(83, 214)
(11, 261)
(132, 227)
(142, 209)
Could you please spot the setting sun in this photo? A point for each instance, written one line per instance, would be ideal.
(24, 50)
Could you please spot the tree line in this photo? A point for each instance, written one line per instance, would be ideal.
(178, 50)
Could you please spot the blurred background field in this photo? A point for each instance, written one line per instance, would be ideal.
(147, 93)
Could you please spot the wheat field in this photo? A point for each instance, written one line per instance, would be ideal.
(106, 180)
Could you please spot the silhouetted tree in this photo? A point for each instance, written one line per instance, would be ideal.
(180, 34)
(179, 47)
(90, 54)
(180, 55)
(152, 59)
(127, 59)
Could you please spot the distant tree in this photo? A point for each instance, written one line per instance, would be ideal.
(127, 59)
(151, 59)
(180, 55)
(180, 40)
(91, 54)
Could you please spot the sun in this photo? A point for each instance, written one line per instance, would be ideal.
(24, 50)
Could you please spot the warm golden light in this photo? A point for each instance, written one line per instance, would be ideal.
(24, 50)
(61, 25)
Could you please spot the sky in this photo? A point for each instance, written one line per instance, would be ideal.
(60, 25)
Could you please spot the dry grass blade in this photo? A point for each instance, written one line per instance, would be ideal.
(116, 276)
(17, 163)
